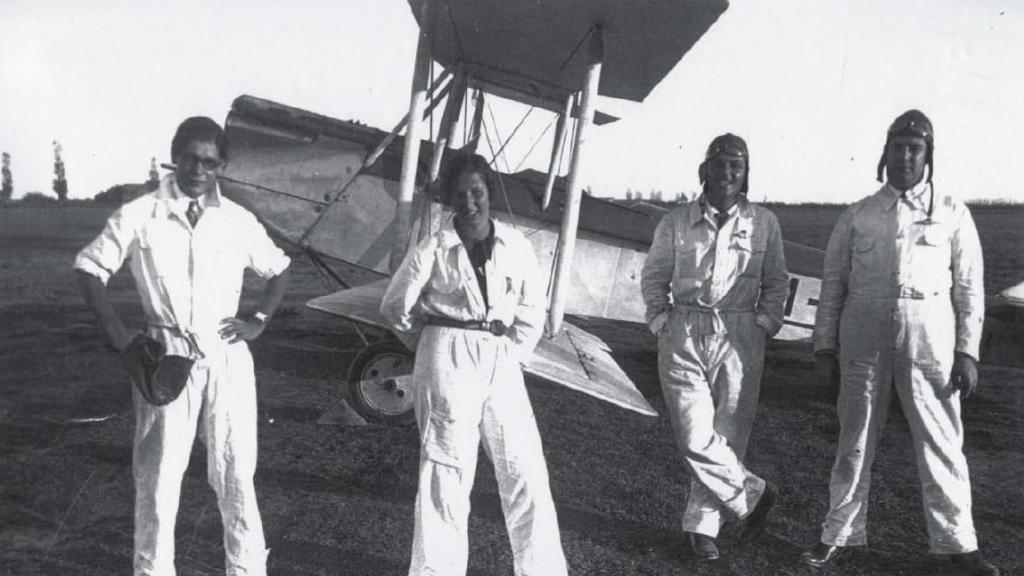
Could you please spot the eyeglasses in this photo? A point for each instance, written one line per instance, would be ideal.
(206, 164)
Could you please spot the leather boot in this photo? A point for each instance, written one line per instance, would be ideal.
(703, 546)
(821, 555)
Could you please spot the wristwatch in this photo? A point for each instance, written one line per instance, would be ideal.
(261, 316)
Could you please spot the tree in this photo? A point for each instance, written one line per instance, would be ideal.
(7, 188)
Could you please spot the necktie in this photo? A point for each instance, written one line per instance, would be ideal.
(721, 218)
(192, 213)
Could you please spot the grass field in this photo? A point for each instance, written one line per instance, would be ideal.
(338, 500)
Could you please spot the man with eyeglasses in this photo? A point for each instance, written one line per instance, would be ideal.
(187, 248)
(901, 310)
(715, 286)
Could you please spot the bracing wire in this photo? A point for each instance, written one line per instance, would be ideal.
(497, 136)
(534, 145)
(501, 179)
(505, 142)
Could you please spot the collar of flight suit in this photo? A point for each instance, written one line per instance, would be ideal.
(170, 199)
(889, 196)
(743, 211)
(448, 237)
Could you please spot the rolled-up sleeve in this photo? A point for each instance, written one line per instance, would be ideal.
(104, 256)
(403, 291)
(835, 279)
(529, 321)
(659, 265)
(771, 303)
(968, 285)
(265, 258)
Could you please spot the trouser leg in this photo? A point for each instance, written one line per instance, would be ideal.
(440, 540)
(162, 445)
(933, 413)
(734, 371)
(864, 397)
(719, 479)
(448, 413)
(513, 444)
(229, 424)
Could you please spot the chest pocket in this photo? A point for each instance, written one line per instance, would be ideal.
(749, 251)
(932, 236)
(165, 250)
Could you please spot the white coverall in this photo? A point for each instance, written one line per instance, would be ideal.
(899, 294)
(723, 293)
(188, 281)
(469, 386)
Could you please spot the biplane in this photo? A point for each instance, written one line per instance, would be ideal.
(343, 192)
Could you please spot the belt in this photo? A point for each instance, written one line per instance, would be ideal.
(717, 324)
(188, 336)
(496, 327)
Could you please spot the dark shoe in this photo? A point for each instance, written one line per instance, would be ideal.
(755, 522)
(821, 555)
(703, 546)
(973, 564)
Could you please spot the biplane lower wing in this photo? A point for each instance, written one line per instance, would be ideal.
(575, 358)
(1002, 340)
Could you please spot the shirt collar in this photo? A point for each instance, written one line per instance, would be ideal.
(448, 237)
(916, 196)
(702, 207)
(171, 200)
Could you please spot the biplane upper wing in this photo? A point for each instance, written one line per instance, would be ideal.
(533, 48)
(575, 358)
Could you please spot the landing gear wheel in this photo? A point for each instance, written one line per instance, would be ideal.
(378, 394)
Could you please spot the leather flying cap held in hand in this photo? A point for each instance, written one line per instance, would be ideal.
(159, 377)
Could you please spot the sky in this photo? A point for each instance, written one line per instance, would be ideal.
(811, 85)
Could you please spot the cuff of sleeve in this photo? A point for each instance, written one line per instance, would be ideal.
(822, 344)
(278, 266)
(771, 327)
(92, 268)
(658, 323)
(410, 339)
(972, 354)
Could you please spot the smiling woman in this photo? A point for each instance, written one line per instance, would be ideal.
(472, 297)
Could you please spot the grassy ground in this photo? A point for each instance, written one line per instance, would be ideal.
(338, 500)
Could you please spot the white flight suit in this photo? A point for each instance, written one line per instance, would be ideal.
(469, 386)
(714, 297)
(900, 293)
(188, 281)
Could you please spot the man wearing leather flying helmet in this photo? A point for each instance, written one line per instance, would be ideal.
(901, 311)
(715, 284)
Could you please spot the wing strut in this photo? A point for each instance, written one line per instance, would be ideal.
(411, 152)
(556, 150)
(445, 138)
(573, 192)
(438, 95)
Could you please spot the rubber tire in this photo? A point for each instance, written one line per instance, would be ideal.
(393, 354)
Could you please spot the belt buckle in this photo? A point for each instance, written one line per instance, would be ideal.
(496, 327)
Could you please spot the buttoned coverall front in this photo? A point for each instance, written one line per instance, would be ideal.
(189, 280)
(469, 386)
(723, 292)
(902, 291)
